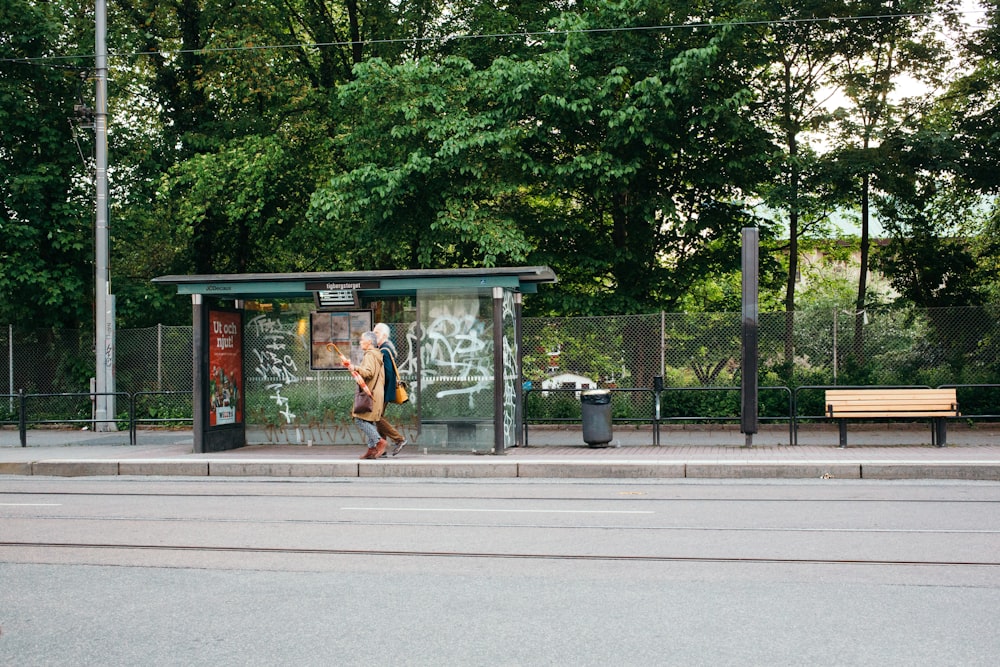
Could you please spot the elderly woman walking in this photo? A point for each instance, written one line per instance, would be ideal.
(372, 372)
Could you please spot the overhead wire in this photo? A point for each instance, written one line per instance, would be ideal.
(523, 34)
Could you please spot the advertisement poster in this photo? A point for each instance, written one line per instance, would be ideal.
(225, 368)
(330, 332)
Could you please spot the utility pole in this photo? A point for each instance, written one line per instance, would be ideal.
(104, 315)
(748, 368)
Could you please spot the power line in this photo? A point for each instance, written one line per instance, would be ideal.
(524, 34)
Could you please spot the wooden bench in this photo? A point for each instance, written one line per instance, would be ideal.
(886, 403)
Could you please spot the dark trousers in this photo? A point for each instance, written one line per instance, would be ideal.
(387, 430)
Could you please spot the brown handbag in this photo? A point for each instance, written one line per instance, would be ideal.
(362, 401)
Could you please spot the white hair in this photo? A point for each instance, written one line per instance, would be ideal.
(381, 331)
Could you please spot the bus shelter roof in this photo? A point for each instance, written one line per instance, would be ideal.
(524, 279)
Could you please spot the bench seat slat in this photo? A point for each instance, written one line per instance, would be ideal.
(891, 394)
(846, 414)
(892, 390)
(891, 407)
(878, 401)
(848, 402)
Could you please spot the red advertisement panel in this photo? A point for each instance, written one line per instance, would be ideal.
(225, 368)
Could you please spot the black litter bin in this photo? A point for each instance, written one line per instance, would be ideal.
(595, 407)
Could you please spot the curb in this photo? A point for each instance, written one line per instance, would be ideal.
(974, 471)
(774, 470)
(74, 468)
(978, 472)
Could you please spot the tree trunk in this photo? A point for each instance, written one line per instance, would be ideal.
(357, 53)
(793, 248)
(859, 307)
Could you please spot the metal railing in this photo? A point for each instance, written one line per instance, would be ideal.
(135, 419)
(789, 417)
(794, 402)
(19, 412)
(654, 416)
(25, 407)
(975, 416)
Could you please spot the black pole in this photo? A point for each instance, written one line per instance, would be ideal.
(657, 394)
(132, 430)
(22, 418)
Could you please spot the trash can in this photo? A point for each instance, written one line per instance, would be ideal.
(595, 407)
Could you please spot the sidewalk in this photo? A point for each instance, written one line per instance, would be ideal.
(874, 451)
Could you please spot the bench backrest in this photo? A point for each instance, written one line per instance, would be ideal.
(873, 402)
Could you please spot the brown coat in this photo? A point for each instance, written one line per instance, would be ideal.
(373, 372)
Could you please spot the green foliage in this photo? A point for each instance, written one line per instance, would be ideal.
(926, 267)
(709, 345)
(46, 211)
(691, 403)
(558, 406)
(566, 406)
(438, 193)
(248, 188)
(592, 347)
(611, 124)
(543, 160)
(163, 411)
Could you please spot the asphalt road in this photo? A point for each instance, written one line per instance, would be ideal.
(186, 571)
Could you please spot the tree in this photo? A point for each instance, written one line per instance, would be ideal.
(976, 103)
(236, 124)
(801, 54)
(427, 183)
(973, 104)
(619, 156)
(900, 39)
(213, 108)
(483, 31)
(622, 143)
(46, 186)
(645, 140)
(940, 209)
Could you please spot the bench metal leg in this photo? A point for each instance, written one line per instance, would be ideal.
(940, 432)
(842, 426)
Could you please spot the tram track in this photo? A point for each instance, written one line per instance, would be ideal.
(538, 526)
(310, 525)
(621, 497)
(314, 551)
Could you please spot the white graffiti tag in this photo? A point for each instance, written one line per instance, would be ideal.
(456, 347)
(270, 340)
(510, 372)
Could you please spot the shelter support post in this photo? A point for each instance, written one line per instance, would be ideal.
(498, 383)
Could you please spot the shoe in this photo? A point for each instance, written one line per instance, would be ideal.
(380, 449)
(369, 453)
(399, 446)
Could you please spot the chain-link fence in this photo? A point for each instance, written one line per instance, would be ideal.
(157, 359)
(55, 366)
(933, 347)
(878, 347)
(891, 346)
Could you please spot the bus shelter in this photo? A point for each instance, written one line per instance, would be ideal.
(267, 368)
